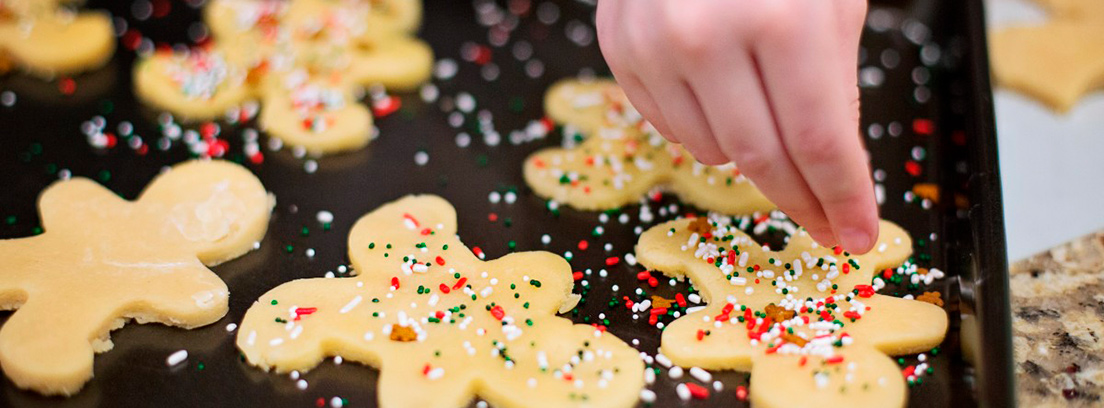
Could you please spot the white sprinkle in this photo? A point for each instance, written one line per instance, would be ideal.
(276, 342)
(352, 303)
(325, 217)
(421, 158)
(683, 392)
(336, 402)
(648, 396)
(700, 374)
(301, 384)
(675, 372)
(338, 360)
(435, 373)
(663, 360)
(231, 327)
(176, 358)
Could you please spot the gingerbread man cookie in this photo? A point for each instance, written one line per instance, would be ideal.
(303, 59)
(805, 320)
(46, 40)
(103, 260)
(442, 325)
(623, 158)
(1057, 62)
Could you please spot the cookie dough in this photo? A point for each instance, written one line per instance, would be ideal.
(103, 260)
(623, 158)
(41, 38)
(303, 60)
(805, 320)
(1057, 62)
(1074, 9)
(440, 324)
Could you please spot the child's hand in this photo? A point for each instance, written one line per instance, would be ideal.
(769, 85)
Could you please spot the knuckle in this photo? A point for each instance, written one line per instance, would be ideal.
(816, 146)
(773, 22)
(754, 163)
(690, 30)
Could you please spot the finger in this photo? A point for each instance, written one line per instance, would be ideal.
(612, 40)
(683, 119)
(850, 21)
(644, 103)
(811, 107)
(687, 121)
(737, 112)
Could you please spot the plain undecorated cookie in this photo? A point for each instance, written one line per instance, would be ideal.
(1057, 62)
(753, 293)
(623, 158)
(440, 324)
(45, 41)
(103, 260)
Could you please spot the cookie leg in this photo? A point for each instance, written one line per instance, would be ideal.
(48, 348)
(560, 364)
(404, 383)
(864, 377)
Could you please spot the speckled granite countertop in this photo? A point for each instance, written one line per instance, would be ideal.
(1058, 325)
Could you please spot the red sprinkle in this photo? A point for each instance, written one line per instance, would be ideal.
(577, 275)
(583, 245)
(643, 275)
(741, 393)
(386, 106)
(908, 371)
(836, 359)
(395, 282)
(613, 260)
(440, 260)
(492, 217)
(913, 168)
(460, 283)
(697, 391)
(701, 334)
(444, 288)
(680, 299)
(923, 126)
(498, 313)
(865, 290)
(478, 252)
(67, 86)
(304, 311)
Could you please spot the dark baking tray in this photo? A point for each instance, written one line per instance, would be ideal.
(41, 135)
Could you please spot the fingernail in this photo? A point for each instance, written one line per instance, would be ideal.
(855, 240)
